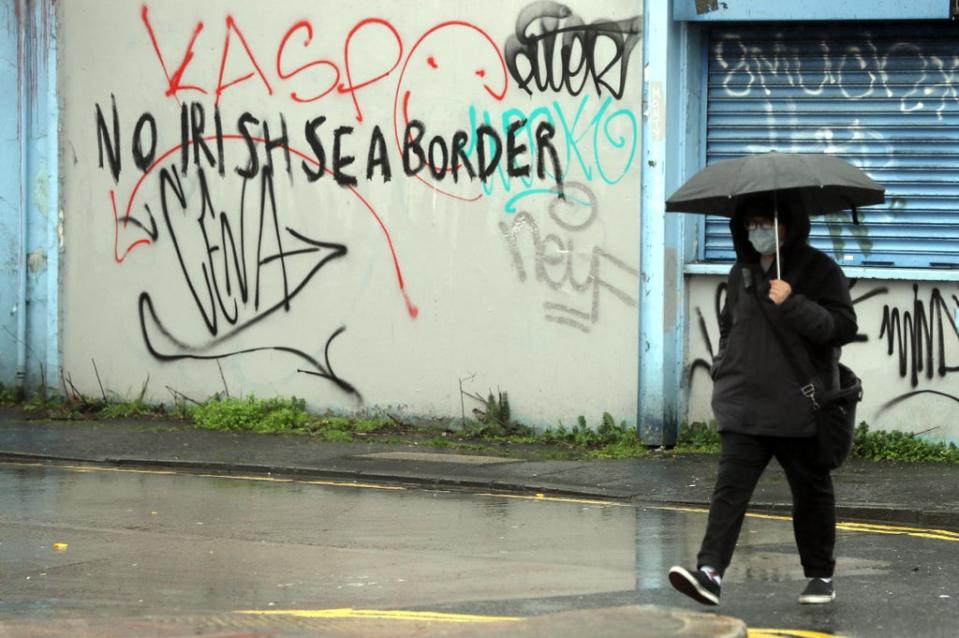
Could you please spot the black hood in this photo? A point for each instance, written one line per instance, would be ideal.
(795, 221)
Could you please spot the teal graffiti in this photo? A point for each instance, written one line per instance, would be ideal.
(572, 142)
(511, 204)
(620, 143)
(575, 129)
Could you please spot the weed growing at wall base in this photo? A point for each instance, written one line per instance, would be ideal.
(900, 446)
(878, 445)
(343, 429)
(127, 409)
(698, 437)
(252, 414)
(607, 440)
(8, 396)
(281, 415)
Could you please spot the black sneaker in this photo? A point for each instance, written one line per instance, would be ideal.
(697, 585)
(817, 592)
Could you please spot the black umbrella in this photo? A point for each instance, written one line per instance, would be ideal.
(821, 183)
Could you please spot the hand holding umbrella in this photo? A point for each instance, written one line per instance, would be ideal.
(779, 291)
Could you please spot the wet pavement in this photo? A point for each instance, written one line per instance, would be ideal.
(163, 553)
(470, 528)
(910, 493)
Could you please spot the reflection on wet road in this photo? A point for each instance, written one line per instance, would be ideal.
(163, 543)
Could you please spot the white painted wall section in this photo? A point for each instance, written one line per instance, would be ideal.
(200, 230)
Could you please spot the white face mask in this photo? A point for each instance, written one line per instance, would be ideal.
(763, 240)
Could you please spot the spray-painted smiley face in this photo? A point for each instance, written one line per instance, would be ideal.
(453, 67)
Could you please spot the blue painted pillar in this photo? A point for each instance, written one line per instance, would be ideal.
(29, 197)
(662, 251)
(9, 191)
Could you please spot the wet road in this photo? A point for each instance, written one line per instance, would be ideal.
(154, 543)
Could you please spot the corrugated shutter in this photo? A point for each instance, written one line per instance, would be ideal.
(884, 97)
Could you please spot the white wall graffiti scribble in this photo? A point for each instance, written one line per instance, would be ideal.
(864, 94)
(564, 265)
(857, 70)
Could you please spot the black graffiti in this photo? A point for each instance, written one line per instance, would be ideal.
(861, 337)
(270, 251)
(541, 26)
(109, 143)
(149, 318)
(919, 336)
(192, 129)
(143, 160)
(419, 150)
(228, 284)
(909, 395)
(699, 363)
(489, 152)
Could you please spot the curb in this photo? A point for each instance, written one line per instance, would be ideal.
(861, 512)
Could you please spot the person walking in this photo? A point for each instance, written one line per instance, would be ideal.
(757, 400)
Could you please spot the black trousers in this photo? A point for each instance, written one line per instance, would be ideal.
(741, 463)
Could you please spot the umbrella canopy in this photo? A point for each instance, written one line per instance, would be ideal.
(822, 183)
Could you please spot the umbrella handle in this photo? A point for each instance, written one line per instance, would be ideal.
(779, 274)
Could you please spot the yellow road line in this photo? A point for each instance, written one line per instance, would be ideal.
(422, 616)
(787, 633)
(554, 499)
(233, 477)
(866, 528)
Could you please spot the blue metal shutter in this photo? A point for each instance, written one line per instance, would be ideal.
(884, 97)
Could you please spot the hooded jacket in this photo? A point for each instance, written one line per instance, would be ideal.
(755, 390)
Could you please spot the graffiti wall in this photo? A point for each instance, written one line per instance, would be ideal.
(907, 353)
(368, 207)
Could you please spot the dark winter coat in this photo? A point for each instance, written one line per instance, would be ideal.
(755, 390)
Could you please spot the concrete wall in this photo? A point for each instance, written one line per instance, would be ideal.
(387, 293)
(907, 356)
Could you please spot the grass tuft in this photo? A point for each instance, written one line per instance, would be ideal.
(900, 446)
(698, 437)
(252, 415)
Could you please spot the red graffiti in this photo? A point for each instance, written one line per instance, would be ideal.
(231, 27)
(352, 88)
(411, 308)
(173, 82)
(393, 41)
(304, 24)
(389, 47)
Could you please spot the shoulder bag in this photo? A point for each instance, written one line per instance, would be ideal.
(835, 410)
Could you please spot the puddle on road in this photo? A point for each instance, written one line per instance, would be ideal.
(156, 542)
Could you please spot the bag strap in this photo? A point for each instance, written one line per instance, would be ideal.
(795, 362)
